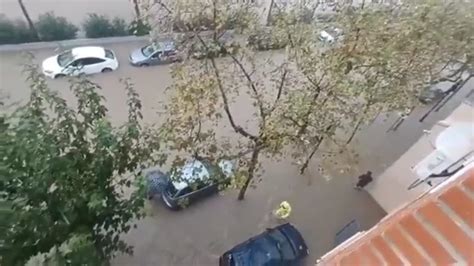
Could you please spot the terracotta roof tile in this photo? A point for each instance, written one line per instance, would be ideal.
(436, 227)
(457, 200)
(388, 254)
(406, 247)
(427, 241)
(449, 229)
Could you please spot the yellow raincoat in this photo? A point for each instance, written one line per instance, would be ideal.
(283, 211)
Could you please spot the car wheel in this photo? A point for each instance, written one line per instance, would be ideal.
(57, 76)
(144, 65)
(105, 70)
(168, 204)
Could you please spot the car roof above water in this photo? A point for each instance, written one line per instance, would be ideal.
(191, 171)
(165, 46)
(243, 253)
(196, 170)
(88, 51)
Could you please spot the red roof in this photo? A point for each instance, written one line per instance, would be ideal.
(437, 228)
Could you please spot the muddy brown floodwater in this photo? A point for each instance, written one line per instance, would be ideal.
(199, 234)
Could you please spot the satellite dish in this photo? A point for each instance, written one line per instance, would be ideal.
(456, 141)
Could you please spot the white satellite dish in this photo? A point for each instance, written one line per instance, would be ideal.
(452, 146)
(456, 141)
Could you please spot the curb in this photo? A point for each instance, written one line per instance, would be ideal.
(67, 43)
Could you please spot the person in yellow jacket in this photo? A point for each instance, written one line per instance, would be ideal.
(283, 211)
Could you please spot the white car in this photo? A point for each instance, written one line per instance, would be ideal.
(81, 60)
(324, 36)
(330, 35)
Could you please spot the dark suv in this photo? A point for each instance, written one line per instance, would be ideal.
(195, 180)
(279, 246)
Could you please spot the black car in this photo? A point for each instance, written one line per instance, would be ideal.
(195, 180)
(279, 246)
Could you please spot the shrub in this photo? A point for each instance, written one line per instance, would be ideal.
(54, 28)
(119, 27)
(97, 26)
(12, 32)
(139, 28)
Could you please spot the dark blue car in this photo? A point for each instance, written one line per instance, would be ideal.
(279, 246)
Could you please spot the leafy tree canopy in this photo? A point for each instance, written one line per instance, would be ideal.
(289, 102)
(70, 179)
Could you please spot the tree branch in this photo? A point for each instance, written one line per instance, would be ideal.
(312, 103)
(252, 86)
(236, 128)
(163, 5)
(280, 90)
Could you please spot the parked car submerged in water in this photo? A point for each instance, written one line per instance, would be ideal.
(279, 246)
(197, 179)
(80, 60)
(155, 54)
(265, 39)
(330, 35)
(222, 46)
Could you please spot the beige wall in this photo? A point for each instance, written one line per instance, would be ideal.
(390, 188)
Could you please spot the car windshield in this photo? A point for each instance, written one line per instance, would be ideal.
(171, 189)
(261, 251)
(283, 245)
(65, 58)
(148, 50)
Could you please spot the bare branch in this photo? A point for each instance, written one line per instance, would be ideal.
(252, 86)
(312, 104)
(220, 86)
(160, 2)
(280, 90)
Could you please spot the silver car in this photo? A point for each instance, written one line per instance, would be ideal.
(155, 54)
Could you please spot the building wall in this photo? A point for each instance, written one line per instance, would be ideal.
(434, 229)
(390, 189)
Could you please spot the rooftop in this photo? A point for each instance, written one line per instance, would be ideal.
(436, 228)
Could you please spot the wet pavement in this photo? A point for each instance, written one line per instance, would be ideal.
(199, 234)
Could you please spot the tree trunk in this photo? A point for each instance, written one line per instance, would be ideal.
(269, 15)
(354, 131)
(315, 149)
(28, 19)
(137, 9)
(251, 172)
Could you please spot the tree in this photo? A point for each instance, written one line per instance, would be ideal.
(136, 8)
(54, 28)
(28, 19)
(71, 178)
(312, 94)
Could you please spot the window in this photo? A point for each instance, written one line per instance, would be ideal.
(169, 53)
(184, 191)
(109, 54)
(76, 63)
(91, 61)
(65, 58)
(156, 55)
(148, 50)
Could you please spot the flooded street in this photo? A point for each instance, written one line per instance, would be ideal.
(199, 234)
